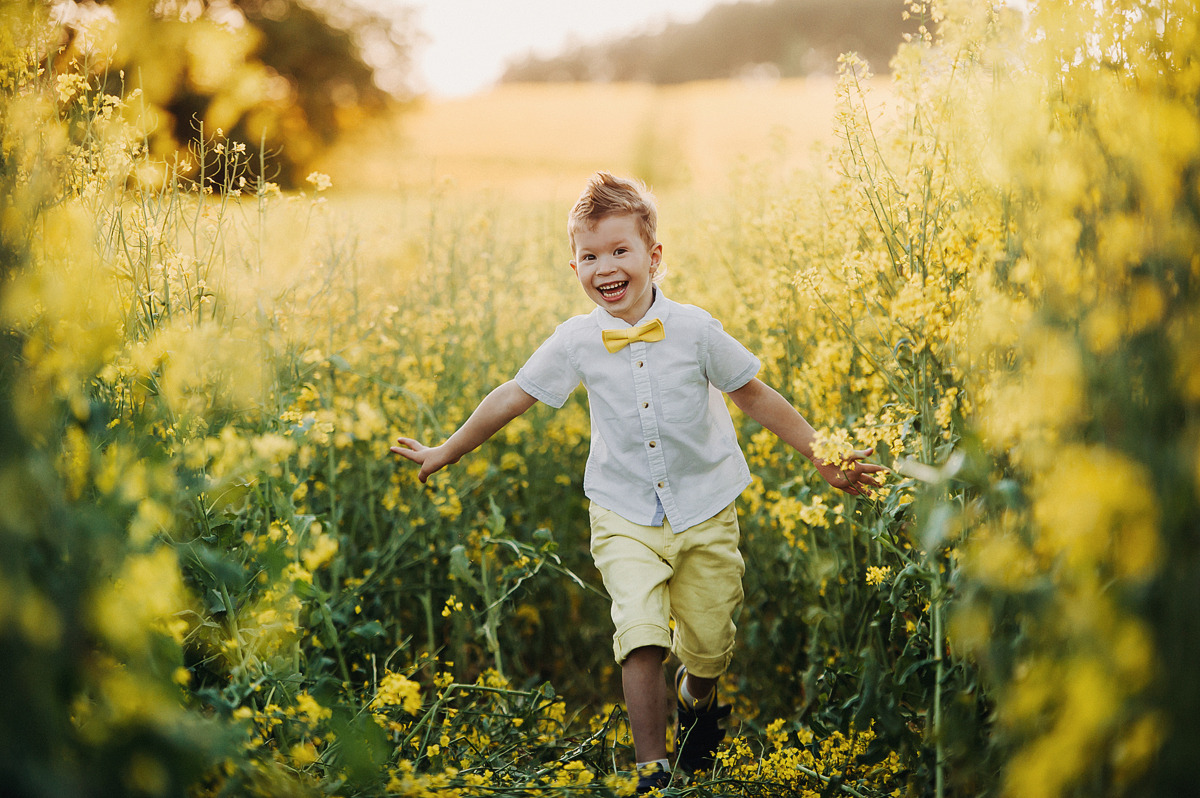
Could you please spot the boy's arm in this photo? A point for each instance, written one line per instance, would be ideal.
(497, 409)
(766, 406)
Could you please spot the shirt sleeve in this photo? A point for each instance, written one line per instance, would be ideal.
(727, 364)
(548, 375)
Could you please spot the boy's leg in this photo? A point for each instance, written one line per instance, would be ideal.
(697, 688)
(631, 560)
(646, 697)
(706, 595)
(698, 731)
(705, 598)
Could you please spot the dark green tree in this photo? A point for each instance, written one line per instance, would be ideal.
(283, 76)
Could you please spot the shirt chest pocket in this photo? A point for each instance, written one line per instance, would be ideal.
(683, 395)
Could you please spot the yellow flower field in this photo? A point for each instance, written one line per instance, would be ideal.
(217, 581)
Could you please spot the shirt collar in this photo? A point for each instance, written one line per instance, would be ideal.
(659, 309)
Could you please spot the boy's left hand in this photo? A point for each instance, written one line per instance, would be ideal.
(852, 475)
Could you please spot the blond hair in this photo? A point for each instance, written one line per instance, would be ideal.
(607, 195)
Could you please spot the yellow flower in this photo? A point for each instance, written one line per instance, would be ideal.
(776, 734)
(1097, 507)
(622, 784)
(832, 446)
(70, 84)
(319, 181)
(452, 605)
(876, 575)
(308, 708)
(146, 594)
(303, 754)
(397, 690)
(573, 773)
(815, 514)
(322, 550)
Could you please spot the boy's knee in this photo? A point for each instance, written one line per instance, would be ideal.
(652, 654)
(638, 635)
(705, 663)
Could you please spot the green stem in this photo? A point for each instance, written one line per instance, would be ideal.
(331, 630)
(939, 669)
(427, 602)
(231, 614)
(493, 614)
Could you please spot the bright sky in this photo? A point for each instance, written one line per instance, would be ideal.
(470, 41)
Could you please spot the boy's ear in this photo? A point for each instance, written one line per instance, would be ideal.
(656, 255)
(574, 268)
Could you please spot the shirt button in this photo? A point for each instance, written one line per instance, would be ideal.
(641, 363)
(653, 444)
(645, 405)
(662, 484)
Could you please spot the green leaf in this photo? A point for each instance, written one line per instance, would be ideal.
(369, 630)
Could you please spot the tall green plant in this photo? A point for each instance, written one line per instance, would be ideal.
(93, 700)
(1092, 566)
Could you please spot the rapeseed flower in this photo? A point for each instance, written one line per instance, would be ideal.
(397, 690)
(877, 575)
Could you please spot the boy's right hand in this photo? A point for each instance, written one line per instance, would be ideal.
(430, 458)
(851, 475)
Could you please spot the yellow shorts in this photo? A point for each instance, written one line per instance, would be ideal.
(655, 576)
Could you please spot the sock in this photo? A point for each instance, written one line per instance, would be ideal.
(663, 765)
(689, 700)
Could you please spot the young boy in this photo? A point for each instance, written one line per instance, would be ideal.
(664, 467)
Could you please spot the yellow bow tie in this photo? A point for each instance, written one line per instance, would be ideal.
(616, 340)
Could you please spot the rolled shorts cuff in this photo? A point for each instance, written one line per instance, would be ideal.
(639, 635)
(703, 667)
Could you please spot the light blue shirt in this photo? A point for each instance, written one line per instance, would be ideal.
(662, 438)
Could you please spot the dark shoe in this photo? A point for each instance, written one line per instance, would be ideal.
(652, 777)
(699, 732)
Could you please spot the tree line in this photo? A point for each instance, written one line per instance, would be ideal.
(788, 38)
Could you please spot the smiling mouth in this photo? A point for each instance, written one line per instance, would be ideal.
(612, 291)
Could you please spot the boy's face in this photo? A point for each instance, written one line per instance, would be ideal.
(615, 267)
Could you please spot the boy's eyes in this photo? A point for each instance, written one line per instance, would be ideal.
(617, 251)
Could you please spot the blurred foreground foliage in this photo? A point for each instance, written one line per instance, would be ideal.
(282, 77)
(217, 583)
